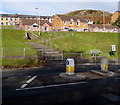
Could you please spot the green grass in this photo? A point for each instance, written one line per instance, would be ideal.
(7, 62)
(85, 41)
(13, 44)
(14, 39)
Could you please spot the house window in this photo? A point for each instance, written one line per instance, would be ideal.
(28, 27)
(78, 23)
(6, 18)
(10, 18)
(1, 18)
(2, 23)
(11, 24)
(71, 22)
(65, 22)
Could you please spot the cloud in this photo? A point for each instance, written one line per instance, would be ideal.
(51, 8)
(1, 12)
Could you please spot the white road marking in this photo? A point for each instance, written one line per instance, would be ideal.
(117, 78)
(31, 79)
(24, 85)
(48, 86)
(112, 97)
(27, 82)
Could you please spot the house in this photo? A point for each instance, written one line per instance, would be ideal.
(115, 16)
(8, 19)
(34, 25)
(66, 22)
(95, 19)
(13, 19)
(103, 28)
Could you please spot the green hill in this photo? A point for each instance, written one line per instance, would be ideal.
(90, 13)
(73, 42)
(94, 15)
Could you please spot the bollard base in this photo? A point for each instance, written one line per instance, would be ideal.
(104, 73)
(76, 76)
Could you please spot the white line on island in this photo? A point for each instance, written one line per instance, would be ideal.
(49, 86)
(27, 82)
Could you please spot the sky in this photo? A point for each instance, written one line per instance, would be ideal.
(50, 7)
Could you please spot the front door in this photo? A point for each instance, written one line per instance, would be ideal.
(46, 29)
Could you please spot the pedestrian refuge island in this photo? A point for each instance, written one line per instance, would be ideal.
(70, 71)
(104, 68)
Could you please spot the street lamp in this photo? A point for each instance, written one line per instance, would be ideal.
(103, 21)
(38, 19)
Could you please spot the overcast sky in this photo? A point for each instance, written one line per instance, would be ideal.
(51, 7)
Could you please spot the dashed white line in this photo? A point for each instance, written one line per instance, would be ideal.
(48, 86)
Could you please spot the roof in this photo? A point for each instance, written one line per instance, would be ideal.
(95, 19)
(24, 16)
(32, 21)
(68, 18)
(102, 26)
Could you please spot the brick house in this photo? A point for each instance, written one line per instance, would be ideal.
(33, 25)
(66, 22)
(115, 16)
(103, 28)
(14, 19)
(8, 19)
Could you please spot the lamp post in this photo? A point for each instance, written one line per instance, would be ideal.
(103, 21)
(38, 19)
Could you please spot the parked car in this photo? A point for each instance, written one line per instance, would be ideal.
(71, 30)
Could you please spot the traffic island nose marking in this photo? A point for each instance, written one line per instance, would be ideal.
(28, 81)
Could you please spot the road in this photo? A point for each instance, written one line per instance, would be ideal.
(44, 86)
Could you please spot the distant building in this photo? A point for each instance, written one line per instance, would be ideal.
(9, 19)
(66, 22)
(100, 19)
(34, 25)
(115, 16)
(14, 19)
(103, 28)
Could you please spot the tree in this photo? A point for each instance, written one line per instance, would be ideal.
(98, 22)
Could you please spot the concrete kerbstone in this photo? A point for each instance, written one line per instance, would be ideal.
(76, 76)
(100, 72)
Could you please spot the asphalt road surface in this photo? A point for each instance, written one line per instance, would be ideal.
(44, 86)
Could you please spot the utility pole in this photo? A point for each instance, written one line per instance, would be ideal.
(38, 19)
(103, 21)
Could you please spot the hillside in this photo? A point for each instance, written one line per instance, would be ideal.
(13, 47)
(90, 13)
(94, 15)
(73, 42)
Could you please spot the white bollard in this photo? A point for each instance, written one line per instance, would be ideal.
(70, 66)
(104, 64)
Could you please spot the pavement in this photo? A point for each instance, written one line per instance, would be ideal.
(44, 86)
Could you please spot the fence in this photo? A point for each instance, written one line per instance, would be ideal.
(17, 57)
(83, 57)
(15, 52)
